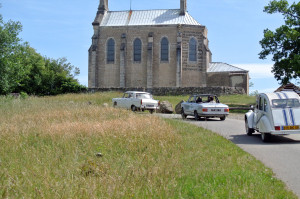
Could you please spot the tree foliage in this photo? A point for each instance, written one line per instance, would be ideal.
(11, 69)
(284, 42)
(22, 69)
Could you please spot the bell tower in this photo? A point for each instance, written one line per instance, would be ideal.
(182, 7)
(103, 6)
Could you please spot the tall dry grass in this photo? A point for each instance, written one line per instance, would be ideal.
(48, 149)
(71, 146)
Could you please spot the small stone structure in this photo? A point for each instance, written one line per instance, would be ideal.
(165, 107)
(155, 49)
(289, 87)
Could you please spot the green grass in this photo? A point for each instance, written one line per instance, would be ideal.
(49, 146)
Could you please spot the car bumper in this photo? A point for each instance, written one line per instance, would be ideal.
(149, 107)
(213, 115)
(287, 132)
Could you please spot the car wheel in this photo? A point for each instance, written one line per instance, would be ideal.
(222, 118)
(196, 116)
(249, 131)
(133, 108)
(151, 111)
(182, 114)
(265, 137)
(115, 104)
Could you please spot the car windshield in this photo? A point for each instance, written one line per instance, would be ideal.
(143, 96)
(285, 103)
(203, 99)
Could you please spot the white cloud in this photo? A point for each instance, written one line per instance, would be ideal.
(257, 71)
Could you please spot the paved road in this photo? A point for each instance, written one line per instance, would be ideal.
(281, 154)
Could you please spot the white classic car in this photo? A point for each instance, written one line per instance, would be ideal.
(274, 114)
(136, 101)
(204, 105)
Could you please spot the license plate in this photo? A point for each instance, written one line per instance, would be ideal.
(215, 110)
(150, 105)
(291, 127)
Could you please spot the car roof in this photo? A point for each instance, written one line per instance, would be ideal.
(281, 95)
(137, 92)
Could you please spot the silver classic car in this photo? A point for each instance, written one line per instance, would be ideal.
(274, 114)
(204, 105)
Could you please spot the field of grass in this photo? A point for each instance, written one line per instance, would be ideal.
(70, 146)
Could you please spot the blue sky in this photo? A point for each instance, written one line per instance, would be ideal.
(62, 28)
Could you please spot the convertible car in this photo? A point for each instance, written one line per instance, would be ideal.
(205, 106)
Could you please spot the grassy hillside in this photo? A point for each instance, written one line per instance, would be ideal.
(71, 147)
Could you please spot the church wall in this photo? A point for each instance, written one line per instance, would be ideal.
(136, 72)
(164, 73)
(108, 73)
(194, 73)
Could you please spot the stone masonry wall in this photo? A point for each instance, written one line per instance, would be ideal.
(179, 91)
(194, 73)
(227, 79)
(164, 73)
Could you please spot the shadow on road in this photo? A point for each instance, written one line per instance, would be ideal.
(256, 140)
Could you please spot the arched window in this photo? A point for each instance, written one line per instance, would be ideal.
(164, 50)
(137, 50)
(110, 51)
(193, 50)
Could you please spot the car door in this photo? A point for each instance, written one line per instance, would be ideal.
(124, 100)
(193, 105)
(259, 110)
(188, 106)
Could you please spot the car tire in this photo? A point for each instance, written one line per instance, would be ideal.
(115, 104)
(249, 131)
(223, 118)
(133, 108)
(182, 114)
(265, 137)
(196, 116)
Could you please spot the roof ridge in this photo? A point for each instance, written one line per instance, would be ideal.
(139, 10)
(210, 65)
(147, 17)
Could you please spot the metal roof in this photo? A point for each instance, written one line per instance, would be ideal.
(147, 17)
(217, 67)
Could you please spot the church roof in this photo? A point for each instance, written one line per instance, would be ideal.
(147, 18)
(217, 67)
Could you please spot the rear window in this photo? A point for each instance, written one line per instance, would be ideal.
(285, 103)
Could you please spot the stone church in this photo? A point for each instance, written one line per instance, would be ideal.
(155, 49)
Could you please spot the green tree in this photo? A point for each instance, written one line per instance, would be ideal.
(12, 71)
(284, 42)
(22, 69)
(48, 76)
